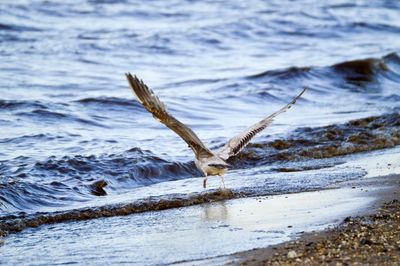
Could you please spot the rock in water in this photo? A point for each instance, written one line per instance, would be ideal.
(97, 188)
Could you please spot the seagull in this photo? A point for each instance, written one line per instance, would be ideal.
(210, 163)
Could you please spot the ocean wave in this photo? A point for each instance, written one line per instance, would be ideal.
(17, 28)
(358, 71)
(287, 73)
(110, 102)
(25, 182)
(8, 105)
(47, 115)
(29, 138)
(368, 76)
(354, 71)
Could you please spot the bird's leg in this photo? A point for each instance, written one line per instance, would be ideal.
(205, 182)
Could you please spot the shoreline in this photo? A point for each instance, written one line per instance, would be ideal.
(242, 223)
(199, 231)
(372, 236)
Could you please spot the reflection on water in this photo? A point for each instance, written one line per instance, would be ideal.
(215, 211)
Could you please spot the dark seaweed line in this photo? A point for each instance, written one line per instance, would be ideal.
(355, 136)
(12, 224)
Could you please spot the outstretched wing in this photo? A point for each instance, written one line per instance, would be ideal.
(152, 104)
(236, 144)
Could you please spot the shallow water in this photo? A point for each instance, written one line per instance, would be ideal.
(186, 233)
(74, 144)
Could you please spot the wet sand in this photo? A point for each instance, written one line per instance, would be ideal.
(372, 238)
(182, 234)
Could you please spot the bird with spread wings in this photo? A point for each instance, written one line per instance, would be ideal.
(208, 162)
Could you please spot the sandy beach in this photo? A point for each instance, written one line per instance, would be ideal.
(372, 238)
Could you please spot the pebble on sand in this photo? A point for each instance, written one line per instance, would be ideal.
(292, 254)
